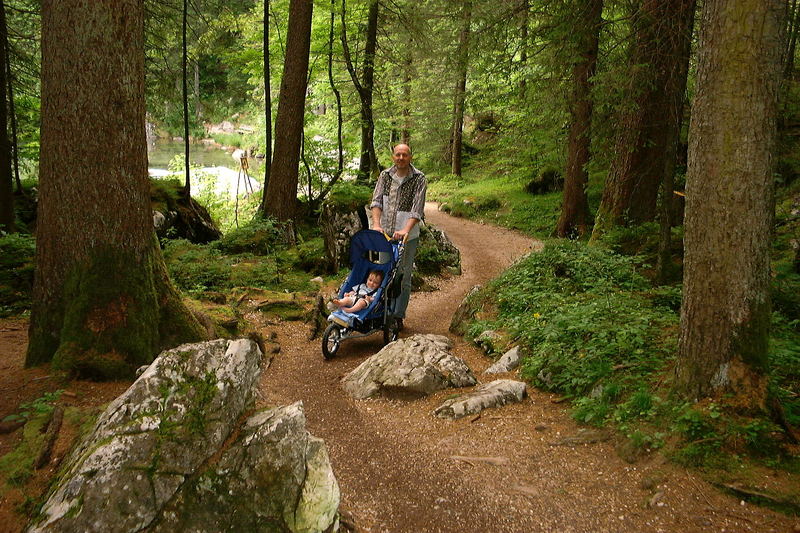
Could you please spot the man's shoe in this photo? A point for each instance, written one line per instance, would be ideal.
(399, 324)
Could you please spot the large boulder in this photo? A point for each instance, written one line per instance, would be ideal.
(411, 367)
(153, 438)
(495, 394)
(274, 477)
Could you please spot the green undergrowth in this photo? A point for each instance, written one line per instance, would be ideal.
(593, 327)
(496, 193)
(16, 272)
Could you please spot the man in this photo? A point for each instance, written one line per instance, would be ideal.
(397, 206)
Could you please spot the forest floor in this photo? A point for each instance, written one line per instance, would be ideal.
(400, 469)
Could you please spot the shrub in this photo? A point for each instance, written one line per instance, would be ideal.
(16, 272)
(260, 236)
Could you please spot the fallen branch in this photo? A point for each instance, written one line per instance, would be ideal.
(495, 461)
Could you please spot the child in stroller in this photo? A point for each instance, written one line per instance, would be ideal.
(374, 260)
(361, 295)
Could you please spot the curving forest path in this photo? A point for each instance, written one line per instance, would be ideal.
(396, 464)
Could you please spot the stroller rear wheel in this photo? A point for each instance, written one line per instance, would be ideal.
(331, 340)
(390, 332)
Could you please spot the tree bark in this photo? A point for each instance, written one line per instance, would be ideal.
(102, 300)
(729, 191)
(457, 132)
(574, 218)
(662, 34)
(12, 110)
(6, 176)
(281, 196)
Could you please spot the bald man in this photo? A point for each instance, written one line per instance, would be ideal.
(397, 209)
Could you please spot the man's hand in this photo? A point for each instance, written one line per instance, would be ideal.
(399, 235)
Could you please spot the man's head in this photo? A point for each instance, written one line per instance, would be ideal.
(401, 156)
(374, 279)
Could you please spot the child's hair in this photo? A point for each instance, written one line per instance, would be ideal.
(378, 273)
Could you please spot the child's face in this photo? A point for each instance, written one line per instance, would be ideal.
(374, 281)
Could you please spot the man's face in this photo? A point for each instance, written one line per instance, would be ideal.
(401, 156)
(373, 281)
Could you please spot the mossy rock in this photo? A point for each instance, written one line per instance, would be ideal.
(283, 305)
(347, 196)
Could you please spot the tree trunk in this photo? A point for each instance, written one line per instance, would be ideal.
(662, 29)
(523, 52)
(677, 89)
(281, 196)
(405, 131)
(102, 300)
(187, 186)
(791, 39)
(574, 219)
(6, 176)
(12, 110)
(267, 112)
(729, 202)
(368, 162)
(456, 136)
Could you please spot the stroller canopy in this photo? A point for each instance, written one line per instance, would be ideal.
(369, 240)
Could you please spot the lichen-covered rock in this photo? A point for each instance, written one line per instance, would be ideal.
(338, 227)
(466, 311)
(274, 477)
(507, 363)
(489, 340)
(150, 439)
(495, 394)
(411, 367)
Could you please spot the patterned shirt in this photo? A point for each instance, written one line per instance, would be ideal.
(400, 199)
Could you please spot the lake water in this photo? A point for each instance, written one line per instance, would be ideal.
(211, 160)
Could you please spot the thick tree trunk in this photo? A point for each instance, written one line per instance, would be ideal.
(729, 191)
(457, 132)
(662, 29)
(574, 219)
(281, 196)
(6, 176)
(102, 301)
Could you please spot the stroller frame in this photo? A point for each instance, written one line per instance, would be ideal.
(369, 250)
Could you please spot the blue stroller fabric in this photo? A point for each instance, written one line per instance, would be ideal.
(369, 250)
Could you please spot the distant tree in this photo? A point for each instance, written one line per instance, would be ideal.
(649, 126)
(368, 162)
(103, 303)
(725, 313)
(6, 175)
(460, 92)
(574, 218)
(187, 182)
(281, 196)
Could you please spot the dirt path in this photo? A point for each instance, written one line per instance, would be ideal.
(394, 460)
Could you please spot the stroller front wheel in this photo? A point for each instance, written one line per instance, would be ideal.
(331, 340)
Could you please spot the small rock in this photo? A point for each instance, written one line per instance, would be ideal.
(656, 499)
(318, 279)
(508, 362)
(540, 427)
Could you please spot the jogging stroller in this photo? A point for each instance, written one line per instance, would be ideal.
(369, 250)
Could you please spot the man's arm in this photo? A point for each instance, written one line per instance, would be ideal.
(377, 204)
(376, 218)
